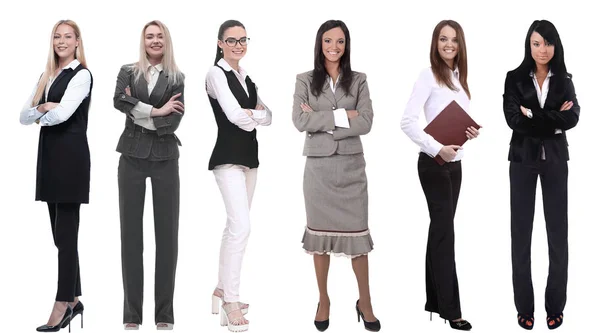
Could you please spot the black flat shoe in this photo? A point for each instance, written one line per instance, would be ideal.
(321, 325)
(373, 326)
(66, 320)
(523, 319)
(461, 325)
(557, 320)
(77, 310)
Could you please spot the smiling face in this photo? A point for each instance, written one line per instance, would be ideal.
(65, 42)
(154, 42)
(448, 45)
(334, 44)
(541, 51)
(234, 44)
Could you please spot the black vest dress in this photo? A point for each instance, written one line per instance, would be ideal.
(63, 163)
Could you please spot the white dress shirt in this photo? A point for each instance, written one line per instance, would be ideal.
(542, 94)
(218, 88)
(431, 97)
(77, 90)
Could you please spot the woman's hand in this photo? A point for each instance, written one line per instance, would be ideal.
(472, 133)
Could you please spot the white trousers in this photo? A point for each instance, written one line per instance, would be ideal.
(236, 184)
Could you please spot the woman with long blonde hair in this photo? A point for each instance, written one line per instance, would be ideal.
(150, 94)
(59, 103)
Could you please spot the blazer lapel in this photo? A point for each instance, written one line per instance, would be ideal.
(159, 88)
(552, 94)
(339, 93)
(327, 92)
(142, 89)
(527, 89)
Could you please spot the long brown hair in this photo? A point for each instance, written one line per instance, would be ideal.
(52, 62)
(439, 66)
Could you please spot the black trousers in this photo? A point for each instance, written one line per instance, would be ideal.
(165, 198)
(64, 220)
(523, 183)
(441, 185)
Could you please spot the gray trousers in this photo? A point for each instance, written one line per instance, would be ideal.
(164, 176)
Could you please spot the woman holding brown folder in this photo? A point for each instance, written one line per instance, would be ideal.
(540, 105)
(437, 86)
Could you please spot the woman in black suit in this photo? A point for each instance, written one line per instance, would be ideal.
(540, 106)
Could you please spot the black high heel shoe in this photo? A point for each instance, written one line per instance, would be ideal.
(461, 325)
(523, 319)
(66, 320)
(373, 326)
(77, 310)
(321, 325)
(557, 318)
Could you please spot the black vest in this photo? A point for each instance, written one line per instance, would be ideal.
(63, 165)
(234, 145)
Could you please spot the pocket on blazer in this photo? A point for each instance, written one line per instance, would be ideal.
(129, 141)
(164, 146)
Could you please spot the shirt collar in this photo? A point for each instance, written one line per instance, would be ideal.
(228, 68)
(456, 73)
(159, 67)
(532, 74)
(72, 65)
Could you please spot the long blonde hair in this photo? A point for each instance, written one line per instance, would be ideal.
(52, 62)
(168, 58)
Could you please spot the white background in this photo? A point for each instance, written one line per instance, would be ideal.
(391, 45)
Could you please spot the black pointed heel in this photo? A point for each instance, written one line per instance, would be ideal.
(372, 326)
(321, 325)
(65, 321)
(77, 310)
(461, 325)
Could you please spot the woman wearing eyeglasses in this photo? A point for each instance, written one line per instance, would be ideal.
(234, 161)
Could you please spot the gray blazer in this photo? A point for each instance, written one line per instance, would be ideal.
(344, 141)
(140, 142)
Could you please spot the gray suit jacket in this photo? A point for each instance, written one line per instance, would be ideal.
(344, 141)
(135, 140)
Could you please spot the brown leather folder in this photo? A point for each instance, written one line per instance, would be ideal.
(449, 127)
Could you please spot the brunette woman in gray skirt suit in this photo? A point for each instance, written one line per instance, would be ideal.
(332, 105)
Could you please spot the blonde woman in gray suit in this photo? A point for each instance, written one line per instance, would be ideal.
(332, 105)
(150, 94)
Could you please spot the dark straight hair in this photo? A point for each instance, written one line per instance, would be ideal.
(226, 25)
(319, 72)
(548, 31)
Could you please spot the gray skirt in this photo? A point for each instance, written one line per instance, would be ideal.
(336, 201)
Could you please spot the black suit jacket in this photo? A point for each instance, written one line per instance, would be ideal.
(136, 141)
(529, 134)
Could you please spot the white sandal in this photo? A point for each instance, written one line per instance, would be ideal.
(131, 326)
(217, 299)
(234, 325)
(164, 326)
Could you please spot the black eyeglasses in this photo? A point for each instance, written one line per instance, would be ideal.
(232, 42)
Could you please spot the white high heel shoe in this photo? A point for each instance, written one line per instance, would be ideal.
(217, 299)
(164, 327)
(235, 324)
(131, 327)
